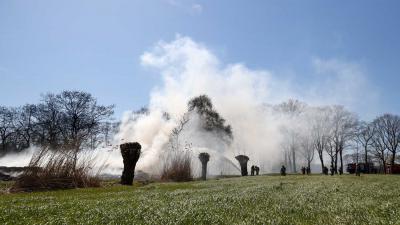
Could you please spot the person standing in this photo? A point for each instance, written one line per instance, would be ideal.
(283, 170)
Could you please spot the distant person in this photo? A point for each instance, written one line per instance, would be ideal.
(332, 171)
(257, 170)
(308, 170)
(326, 170)
(252, 170)
(303, 170)
(283, 170)
(358, 170)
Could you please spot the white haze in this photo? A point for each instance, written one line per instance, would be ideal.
(238, 93)
(18, 159)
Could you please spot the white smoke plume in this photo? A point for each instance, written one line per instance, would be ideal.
(18, 159)
(239, 94)
(189, 70)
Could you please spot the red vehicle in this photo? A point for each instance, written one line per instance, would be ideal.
(370, 168)
(393, 169)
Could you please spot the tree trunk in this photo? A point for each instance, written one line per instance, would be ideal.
(336, 162)
(322, 162)
(366, 158)
(294, 161)
(130, 154)
(289, 165)
(204, 158)
(242, 159)
(393, 159)
(3, 145)
(341, 161)
(384, 166)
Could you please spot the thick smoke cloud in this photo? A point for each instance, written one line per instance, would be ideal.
(189, 69)
(239, 94)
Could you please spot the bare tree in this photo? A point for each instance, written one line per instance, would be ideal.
(108, 129)
(291, 146)
(26, 123)
(379, 148)
(320, 133)
(343, 126)
(174, 139)
(387, 135)
(81, 117)
(48, 130)
(64, 121)
(330, 149)
(364, 138)
(292, 109)
(7, 126)
(307, 149)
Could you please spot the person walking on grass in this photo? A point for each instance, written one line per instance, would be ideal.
(252, 170)
(283, 170)
(303, 170)
(257, 169)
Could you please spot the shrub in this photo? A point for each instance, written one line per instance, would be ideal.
(178, 167)
(49, 170)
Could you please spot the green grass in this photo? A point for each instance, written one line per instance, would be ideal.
(373, 199)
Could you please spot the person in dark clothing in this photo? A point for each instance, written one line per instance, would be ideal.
(252, 170)
(283, 170)
(326, 170)
(332, 171)
(358, 172)
(257, 170)
(340, 170)
(308, 170)
(303, 170)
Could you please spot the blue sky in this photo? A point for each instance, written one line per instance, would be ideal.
(95, 46)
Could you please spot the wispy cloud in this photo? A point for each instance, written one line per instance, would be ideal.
(343, 82)
(172, 2)
(186, 6)
(197, 8)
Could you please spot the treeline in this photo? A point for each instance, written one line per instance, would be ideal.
(69, 120)
(334, 133)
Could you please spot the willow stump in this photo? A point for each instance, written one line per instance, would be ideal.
(243, 159)
(204, 158)
(130, 154)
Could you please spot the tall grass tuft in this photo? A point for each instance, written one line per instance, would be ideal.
(51, 170)
(178, 167)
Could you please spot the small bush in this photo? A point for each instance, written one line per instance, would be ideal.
(178, 167)
(50, 170)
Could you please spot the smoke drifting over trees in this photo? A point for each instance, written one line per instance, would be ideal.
(199, 119)
(266, 127)
(226, 110)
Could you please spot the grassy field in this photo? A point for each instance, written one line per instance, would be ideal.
(373, 199)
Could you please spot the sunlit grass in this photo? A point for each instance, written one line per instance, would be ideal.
(253, 200)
